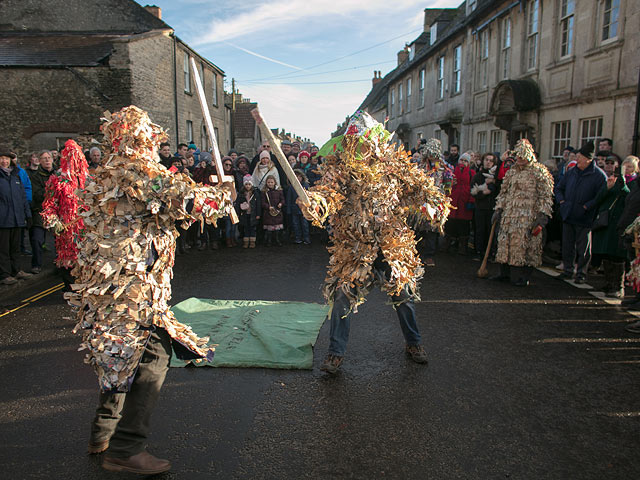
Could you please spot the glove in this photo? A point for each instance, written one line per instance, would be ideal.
(497, 215)
(541, 219)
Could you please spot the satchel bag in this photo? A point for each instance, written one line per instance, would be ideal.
(602, 219)
(273, 211)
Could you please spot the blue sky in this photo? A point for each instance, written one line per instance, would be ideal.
(287, 54)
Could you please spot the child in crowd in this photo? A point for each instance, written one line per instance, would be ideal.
(292, 160)
(272, 217)
(299, 223)
(303, 161)
(313, 174)
(248, 204)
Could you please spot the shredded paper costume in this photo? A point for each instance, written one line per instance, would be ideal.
(525, 194)
(367, 191)
(125, 262)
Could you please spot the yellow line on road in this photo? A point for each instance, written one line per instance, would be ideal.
(35, 298)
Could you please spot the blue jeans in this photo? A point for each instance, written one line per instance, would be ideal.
(300, 227)
(341, 317)
(229, 228)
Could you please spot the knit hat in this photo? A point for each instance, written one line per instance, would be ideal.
(193, 146)
(265, 153)
(247, 179)
(5, 151)
(206, 157)
(587, 150)
(286, 142)
(465, 156)
(525, 150)
(304, 153)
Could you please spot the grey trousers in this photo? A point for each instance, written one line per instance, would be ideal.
(576, 246)
(124, 418)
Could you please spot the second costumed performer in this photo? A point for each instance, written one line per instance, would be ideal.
(123, 283)
(367, 191)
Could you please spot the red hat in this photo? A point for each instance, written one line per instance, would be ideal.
(304, 153)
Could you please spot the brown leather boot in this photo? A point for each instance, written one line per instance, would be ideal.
(252, 242)
(245, 242)
(143, 464)
(97, 447)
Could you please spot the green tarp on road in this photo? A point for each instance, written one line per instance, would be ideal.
(254, 333)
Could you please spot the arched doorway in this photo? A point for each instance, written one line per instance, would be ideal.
(514, 107)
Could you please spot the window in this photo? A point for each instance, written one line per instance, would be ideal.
(457, 62)
(532, 35)
(412, 52)
(400, 100)
(214, 95)
(202, 74)
(437, 134)
(204, 139)
(187, 74)
(408, 94)
(483, 54)
(421, 88)
(590, 129)
(496, 141)
(189, 131)
(567, 9)
(217, 134)
(392, 102)
(472, 5)
(506, 47)
(560, 137)
(610, 19)
(482, 142)
(433, 33)
(441, 77)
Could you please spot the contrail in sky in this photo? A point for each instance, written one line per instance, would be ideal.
(263, 57)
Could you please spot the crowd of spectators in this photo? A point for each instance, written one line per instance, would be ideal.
(597, 196)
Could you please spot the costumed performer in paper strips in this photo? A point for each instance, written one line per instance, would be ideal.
(123, 283)
(367, 191)
(523, 207)
(61, 208)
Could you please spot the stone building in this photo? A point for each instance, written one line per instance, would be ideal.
(63, 63)
(490, 72)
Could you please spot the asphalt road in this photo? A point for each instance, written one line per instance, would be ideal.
(533, 383)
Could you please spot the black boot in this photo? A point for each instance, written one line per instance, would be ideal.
(463, 245)
(504, 275)
(267, 237)
(277, 234)
(608, 271)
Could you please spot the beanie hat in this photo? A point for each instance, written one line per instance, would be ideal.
(265, 153)
(304, 153)
(587, 150)
(206, 157)
(247, 179)
(465, 156)
(192, 145)
(5, 151)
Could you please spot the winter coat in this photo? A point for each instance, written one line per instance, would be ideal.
(314, 175)
(255, 204)
(292, 196)
(631, 206)
(484, 201)
(576, 193)
(26, 182)
(282, 176)
(461, 193)
(260, 175)
(274, 198)
(39, 179)
(606, 241)
(14, 207)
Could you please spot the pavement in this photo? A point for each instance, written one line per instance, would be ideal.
(522, 383)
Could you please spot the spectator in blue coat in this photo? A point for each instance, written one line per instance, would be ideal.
(15, 213)
(299, 223)
(576, 195)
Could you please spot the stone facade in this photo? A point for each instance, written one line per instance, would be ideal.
(492, 72)
(50, 97)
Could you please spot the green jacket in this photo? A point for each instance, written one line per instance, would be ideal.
(39, 180)
(606, 241)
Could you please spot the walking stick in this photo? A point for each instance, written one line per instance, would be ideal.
(275, 147)
(221, 177)
(482, 271)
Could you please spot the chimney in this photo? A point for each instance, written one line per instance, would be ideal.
(154, 10)
(403, 55)
(377, 78)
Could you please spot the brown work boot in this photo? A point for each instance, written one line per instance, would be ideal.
(97, 447)
(331, 363)
(143, 464)
(416, 353)
(245, 242)
(252, 242)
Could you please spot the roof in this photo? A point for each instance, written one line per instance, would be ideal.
(55, 50)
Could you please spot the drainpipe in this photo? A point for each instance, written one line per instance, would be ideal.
(175, 86)
(637, 120)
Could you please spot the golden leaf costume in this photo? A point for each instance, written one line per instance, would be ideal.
(367, 191)
(125, 262)
(525, 194)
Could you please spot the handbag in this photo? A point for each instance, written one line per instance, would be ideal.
(273, 211)
(602, 219)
